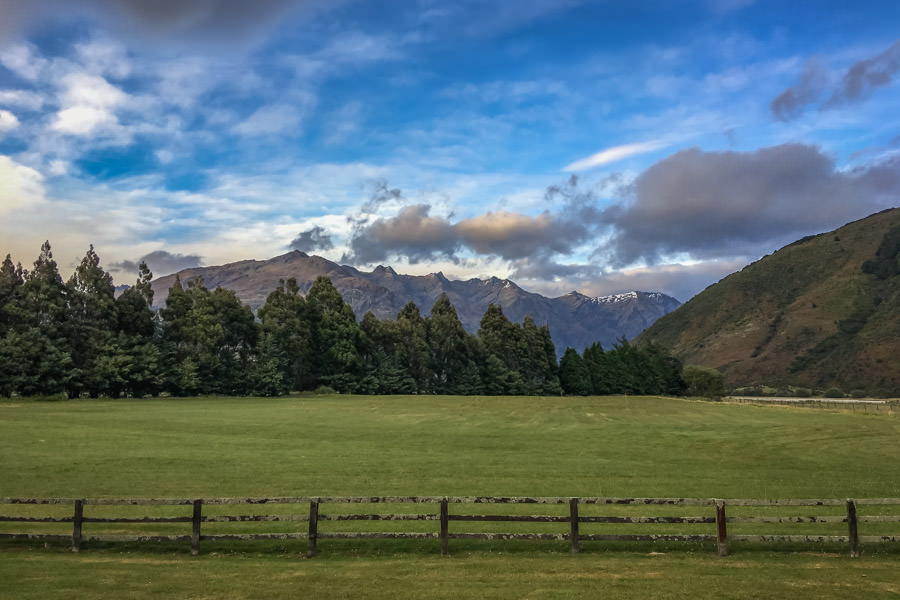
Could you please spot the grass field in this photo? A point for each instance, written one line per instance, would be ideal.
(343, 445)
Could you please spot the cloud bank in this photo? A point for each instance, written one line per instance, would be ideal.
(715, 204)
(692, 206)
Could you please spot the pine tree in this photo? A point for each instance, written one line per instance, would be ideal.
(91, 303)
(335, 337)
(574, 376)
(11, 280)
(412, 350)
(36, 350)
(600, 370)
(454, 371)
(286, 337)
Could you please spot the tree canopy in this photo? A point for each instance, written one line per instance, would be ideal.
(78, 338)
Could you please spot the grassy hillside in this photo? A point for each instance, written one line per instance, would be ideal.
(808, 315)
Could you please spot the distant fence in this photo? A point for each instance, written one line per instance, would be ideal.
(568, 513)
(853, 404)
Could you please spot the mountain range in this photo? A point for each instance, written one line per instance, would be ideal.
(821, 312)
(575, 320)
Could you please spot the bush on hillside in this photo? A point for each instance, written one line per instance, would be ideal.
(703, 381)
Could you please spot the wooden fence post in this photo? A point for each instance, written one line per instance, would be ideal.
(721, 529)
(445, 528)
(313, 535)
(573, 525)
(76, 525)
(852, 529)
(195, 531)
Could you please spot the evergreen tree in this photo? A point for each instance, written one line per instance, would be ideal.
(454, 372)
(604, 379)
(285, 344)
(232, 338)
(97, 361)
(211, 337)
(335, 337)
(411, 348)
(11, 280)
(539, 367)
(502, 338)
(36, 350)
(574, 376)
(138, 338)
(180, 368)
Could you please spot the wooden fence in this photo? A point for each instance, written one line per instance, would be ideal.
(569, 515)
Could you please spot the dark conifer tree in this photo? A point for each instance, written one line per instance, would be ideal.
(335, 337)
(412, 350)
(37, 351)
(454, 372)
(285, 342)
(574, 376)
(97, 360)
(138, 338)
(11, 280)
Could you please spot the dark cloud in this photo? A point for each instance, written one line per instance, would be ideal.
(856, 84)
(161, 263)
(312, 239)
(417, 235)
(413, 233)
(867, 74)
(222, 20)
(719, 204)
(792, 101)
(514, 235)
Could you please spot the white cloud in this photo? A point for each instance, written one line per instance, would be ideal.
(616, 153)
(21, 60)
(88, 103)
(22, 99)
(90, 90)
(82, 120)
(8, 121)
(20, 186)
(271, 119)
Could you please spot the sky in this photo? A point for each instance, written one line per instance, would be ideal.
(599, 146)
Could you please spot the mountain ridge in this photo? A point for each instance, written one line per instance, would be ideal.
(574, 319)
(823, 311)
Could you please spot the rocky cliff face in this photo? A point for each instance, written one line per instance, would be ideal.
(574, 319)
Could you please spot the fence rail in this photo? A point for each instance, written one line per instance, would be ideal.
(574, 519)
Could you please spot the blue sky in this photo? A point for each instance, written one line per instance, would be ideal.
(600, 146)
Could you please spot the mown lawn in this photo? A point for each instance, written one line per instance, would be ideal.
(427, 445)
(361, 446)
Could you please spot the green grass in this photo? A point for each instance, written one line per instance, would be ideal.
(341, 445)
(43, 574)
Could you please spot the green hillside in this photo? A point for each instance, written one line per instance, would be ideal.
(823, 311)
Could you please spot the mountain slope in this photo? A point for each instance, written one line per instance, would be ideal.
(574, 319)
(807, 315)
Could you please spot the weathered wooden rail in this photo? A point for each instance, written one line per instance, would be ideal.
(573, 518)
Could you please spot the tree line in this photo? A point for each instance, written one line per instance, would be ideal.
(78, 338)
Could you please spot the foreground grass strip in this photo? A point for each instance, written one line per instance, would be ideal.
(51, 573)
